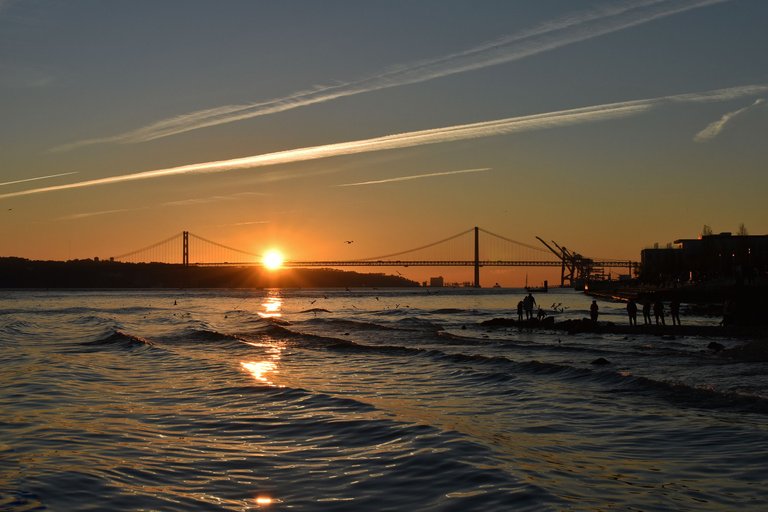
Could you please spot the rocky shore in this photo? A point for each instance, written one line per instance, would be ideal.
(755, 347)
(743, 304)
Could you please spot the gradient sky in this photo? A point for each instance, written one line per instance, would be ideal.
(607, 126)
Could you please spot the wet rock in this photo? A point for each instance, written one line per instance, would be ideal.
(715, 346)
(753, 351)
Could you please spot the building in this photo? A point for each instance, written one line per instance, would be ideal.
(436, 282)
(722, 256)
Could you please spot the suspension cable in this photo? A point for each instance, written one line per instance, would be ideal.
(418, 248)
(147, 248)
(192, 235)
(512, 241)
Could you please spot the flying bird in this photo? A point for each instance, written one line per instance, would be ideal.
(348, 241)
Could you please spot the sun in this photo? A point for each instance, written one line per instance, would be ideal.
(272, 259)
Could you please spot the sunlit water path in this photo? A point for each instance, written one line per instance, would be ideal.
(364, 400)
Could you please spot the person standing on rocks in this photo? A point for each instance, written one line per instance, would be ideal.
(647, 312)
(674, 312)
(528, 303)
(632, 312)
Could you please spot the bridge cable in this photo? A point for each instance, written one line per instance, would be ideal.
(147, 247)
(418, 248)
(222, 245)
(513, 241)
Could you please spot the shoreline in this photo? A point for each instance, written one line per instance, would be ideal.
(585, 325)
(753, 347)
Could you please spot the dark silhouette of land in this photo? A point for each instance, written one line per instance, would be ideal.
(24, 273)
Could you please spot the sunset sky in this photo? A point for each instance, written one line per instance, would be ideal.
(607, 126)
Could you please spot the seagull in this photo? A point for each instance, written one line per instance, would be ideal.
(348, 241)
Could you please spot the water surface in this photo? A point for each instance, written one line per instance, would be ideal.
(364, 400)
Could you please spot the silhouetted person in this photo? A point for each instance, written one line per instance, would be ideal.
(658, 312)
(593, 309)
(528, 303)
(632, 312)
(674, 312)
(520, 311)
(647, 312)
(540, 314)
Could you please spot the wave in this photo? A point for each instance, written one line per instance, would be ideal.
(350, 324)
(315, 310)
(93, 320)
(16, 327)
(679, 393)
(81, 310)
(613, 381)
(450, 311)
(119, 339)
(702, 397)
(419, 323)
(198, 336)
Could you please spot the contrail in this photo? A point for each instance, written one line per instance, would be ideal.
(212, 199)
(713, 129)
(77, 216)
(424, 137)
(545, 37)
(414, 177)
(37, 178)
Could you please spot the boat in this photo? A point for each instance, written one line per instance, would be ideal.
(542, 289)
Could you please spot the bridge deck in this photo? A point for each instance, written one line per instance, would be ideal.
(427, 263)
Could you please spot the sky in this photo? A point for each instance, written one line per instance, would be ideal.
(606, 126)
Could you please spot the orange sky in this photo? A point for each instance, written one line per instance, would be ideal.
(606, 127)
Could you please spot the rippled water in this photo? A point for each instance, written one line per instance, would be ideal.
(363, 400)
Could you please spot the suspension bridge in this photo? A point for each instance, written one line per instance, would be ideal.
(463, 249)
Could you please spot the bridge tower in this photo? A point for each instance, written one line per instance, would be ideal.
(185, 249)
(477, 257)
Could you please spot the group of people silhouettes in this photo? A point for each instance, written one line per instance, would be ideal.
(657, 307)
(526, 306)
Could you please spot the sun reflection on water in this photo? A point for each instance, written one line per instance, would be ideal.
(259, 369)
(272, 305)
(263, 500)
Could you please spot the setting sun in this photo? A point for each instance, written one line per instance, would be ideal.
(273, 259)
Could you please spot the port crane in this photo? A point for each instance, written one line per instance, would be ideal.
(576, 270)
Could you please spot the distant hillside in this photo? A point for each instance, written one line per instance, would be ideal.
(23, 273)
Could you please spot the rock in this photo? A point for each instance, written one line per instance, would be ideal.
(753, 351)
(601, 361)
(715, 346)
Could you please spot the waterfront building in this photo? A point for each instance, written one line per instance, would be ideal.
(742, 258)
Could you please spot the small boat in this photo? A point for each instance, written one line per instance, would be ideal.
(542, 289)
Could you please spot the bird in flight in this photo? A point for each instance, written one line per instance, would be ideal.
(348, 241)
